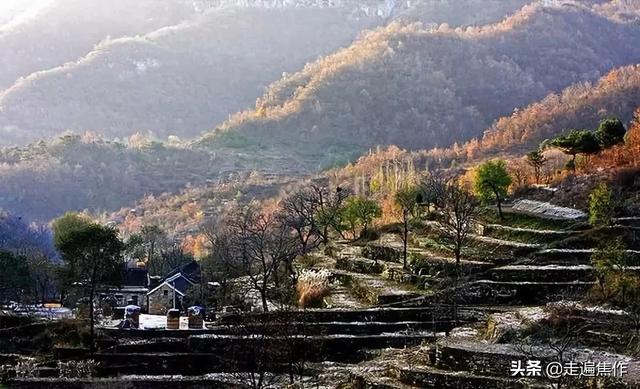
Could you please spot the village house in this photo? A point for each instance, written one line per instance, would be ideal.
(133, 290)
(170, 291)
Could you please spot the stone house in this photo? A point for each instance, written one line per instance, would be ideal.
(171, 290)
(133, 290)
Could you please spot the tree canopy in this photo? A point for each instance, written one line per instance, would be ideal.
(92, 256)
(67, 225)
(360, 212)
(492, 182)
(576, 142)
(610, 132)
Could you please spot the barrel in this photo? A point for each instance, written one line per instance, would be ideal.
(196, 317)
(173, 319)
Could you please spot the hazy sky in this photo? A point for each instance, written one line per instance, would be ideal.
(12, 12)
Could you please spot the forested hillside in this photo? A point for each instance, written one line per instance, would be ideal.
(397, 85)
(418, 87)
(580, 106)
(183, 213)
(480, 12)
(78, 172)
(75, 173)
(177, 68)
(178, 79)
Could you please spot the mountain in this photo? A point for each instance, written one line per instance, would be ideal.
(177, 67)
(420, 87)
(582, 105)
(396, 85)
(43, 34)
(181, 214)
(85, 172)
(457, 13)
(175, 71)
(621, 10)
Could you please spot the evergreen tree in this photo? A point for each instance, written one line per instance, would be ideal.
(610, 132)
(576, 142)
(92, 257)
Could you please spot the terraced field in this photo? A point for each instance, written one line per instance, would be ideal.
(430, 325)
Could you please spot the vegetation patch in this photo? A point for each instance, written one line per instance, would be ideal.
(313, 287)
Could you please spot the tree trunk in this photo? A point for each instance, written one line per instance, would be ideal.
(404, 242)
(325, 235)
(263, 296)
(44, 291)
(499, 200)
(303, 242)
(458, 255)
(91, 319)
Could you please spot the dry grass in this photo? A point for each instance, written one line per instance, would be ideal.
(313, 287)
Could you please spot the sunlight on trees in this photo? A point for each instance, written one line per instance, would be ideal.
(492, 181)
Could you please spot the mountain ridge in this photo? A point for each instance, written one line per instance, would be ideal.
(51, 99)
(540, 49)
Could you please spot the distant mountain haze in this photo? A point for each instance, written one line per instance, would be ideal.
(179, 67)
(419, 87)
(167, 67)
(48, 33)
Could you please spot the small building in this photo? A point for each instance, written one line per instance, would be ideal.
(133, 290)
(172, 289)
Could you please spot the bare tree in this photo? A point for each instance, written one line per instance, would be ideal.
(330, 210)
(536, 160)
(406, 199)
(217, 265)
(312, 212)
(258, 245)
(459, 211)
(553, 343)
(276, 344)
(432, 191)
(299, 212)
(43, 272)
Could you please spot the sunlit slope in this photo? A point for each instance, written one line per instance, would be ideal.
(179, 79)
(458, 12)
(617, 94)
(419, 88)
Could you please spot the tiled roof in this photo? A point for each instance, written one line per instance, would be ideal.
(136, 277)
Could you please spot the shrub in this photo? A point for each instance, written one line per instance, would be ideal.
(601, 205)
(313, 287)
(27, 368)
(77, 369)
